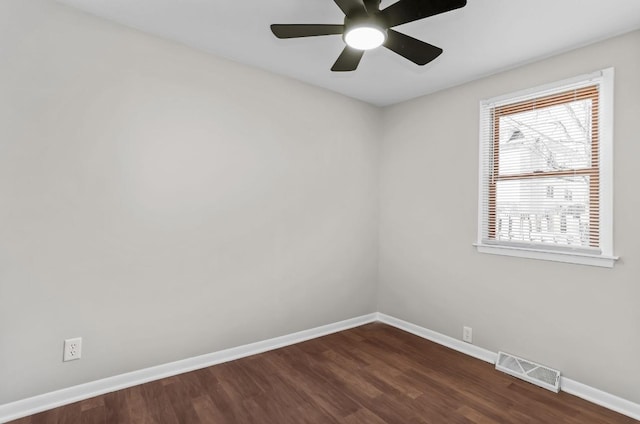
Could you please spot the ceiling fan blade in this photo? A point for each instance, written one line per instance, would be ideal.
(410, 48)
(351, 7)
(372, 6)
(405, 11)
(304, 30)
(348, 60)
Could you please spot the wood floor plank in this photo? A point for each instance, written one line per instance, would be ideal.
(373, 374)
(207, 411)
(158, 403)
(181, 402)
(116, 408)
(363, 416)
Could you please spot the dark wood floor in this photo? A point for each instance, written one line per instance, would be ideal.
(372, 374)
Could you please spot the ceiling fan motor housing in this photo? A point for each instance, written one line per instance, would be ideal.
(374, 21)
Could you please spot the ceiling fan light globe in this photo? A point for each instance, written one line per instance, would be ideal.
(365, 37)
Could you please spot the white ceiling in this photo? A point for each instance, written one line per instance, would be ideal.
(484, 37)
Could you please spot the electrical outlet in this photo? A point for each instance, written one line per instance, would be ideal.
(72, 349)
(467, 334)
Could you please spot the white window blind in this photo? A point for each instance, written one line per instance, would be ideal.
(541, 170)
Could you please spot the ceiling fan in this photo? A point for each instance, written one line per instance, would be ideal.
(367, 27)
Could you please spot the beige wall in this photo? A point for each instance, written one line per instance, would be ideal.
(582, 320)
(163, 203)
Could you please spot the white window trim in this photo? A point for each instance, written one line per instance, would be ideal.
(605, 257)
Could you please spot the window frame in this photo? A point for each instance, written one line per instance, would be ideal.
(603, 255)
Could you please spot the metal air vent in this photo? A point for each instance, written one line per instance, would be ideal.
(537, 374)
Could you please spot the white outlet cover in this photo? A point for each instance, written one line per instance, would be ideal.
(72, 349)
(467, 334)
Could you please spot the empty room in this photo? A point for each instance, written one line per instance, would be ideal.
(328, 211)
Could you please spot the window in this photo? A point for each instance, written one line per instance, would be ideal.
(546, 172)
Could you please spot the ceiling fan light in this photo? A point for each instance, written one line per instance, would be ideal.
(364, 37)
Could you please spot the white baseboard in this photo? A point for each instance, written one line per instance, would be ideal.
(450, 342)
(607, 400)
(568, 385)
(33, 405)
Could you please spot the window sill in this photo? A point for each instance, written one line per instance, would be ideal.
(546, 255)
